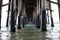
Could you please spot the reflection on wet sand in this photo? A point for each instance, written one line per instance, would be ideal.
(31, 34)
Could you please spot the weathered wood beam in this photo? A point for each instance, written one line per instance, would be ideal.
(16, 10)
(38, 22)
(38, 16)
(52, 23)
(19, 26)
(23, 25)
(8, 13)
(12, 17)
(5, 4)
(43, 16)
(54, 2)
(59, 9)
(0, 11)
(44, 20)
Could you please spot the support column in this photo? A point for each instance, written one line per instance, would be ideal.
(19, 27)
(12, 18)
(23, 8)
(38, 14)
(44, 20)
(8, 13)
(16, 11)
(52, 24)
(43, 16)
(23, 25)
(0, 12)
(59, 10)
(38, 22)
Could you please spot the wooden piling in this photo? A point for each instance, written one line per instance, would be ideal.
(43, 16)
(12, 17)
(8, 13)
(59, 10)
(0, 12)
(52, 23)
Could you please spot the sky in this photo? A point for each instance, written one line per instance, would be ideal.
(4, 13)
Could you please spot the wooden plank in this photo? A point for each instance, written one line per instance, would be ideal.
(54, 2)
